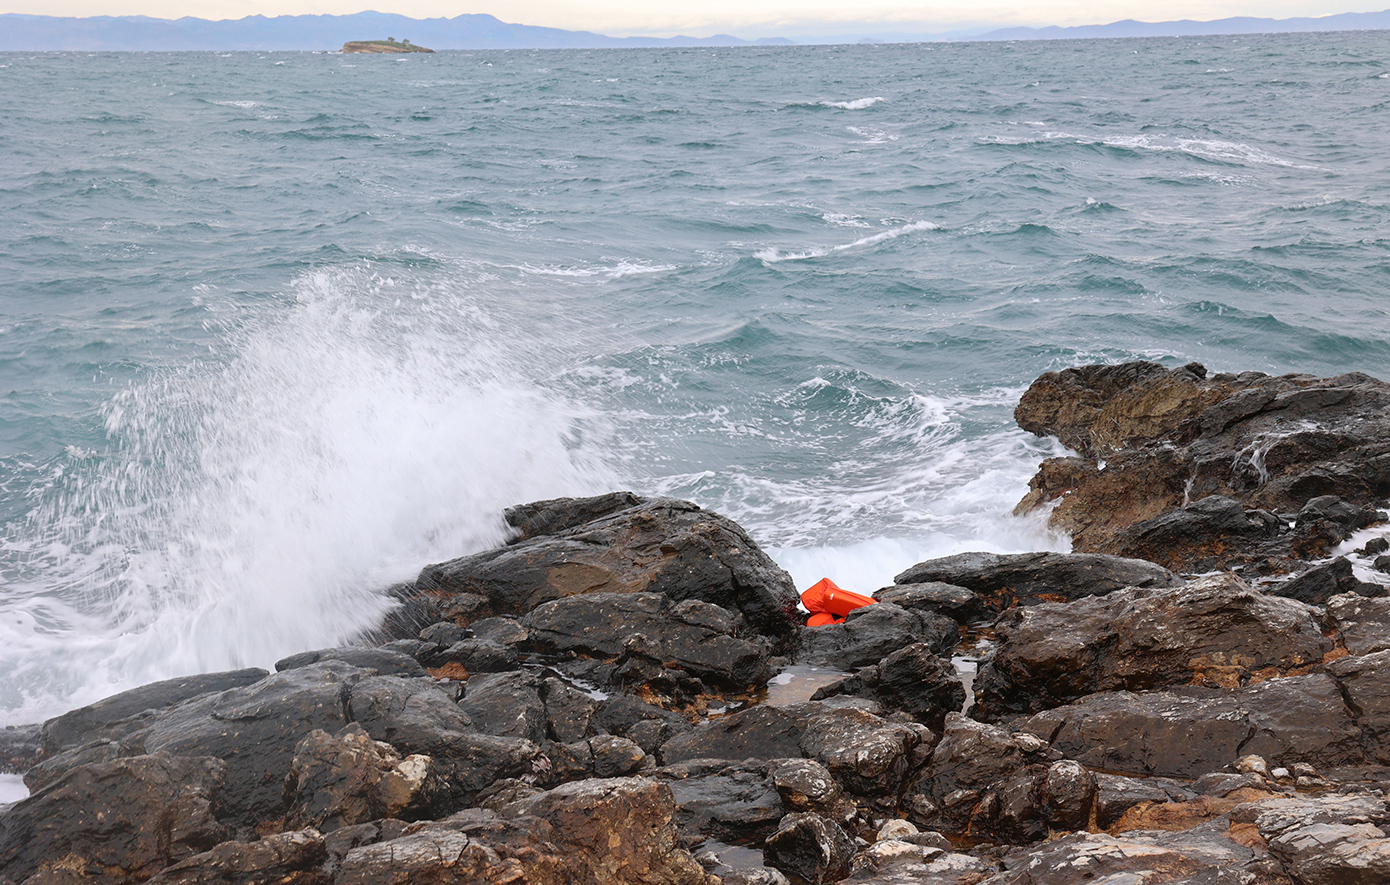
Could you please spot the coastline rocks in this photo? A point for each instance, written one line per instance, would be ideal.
(732, 803)
(1152, 440)
(872, 632)
(1328, 840)
(117, 821)
(1214, 631)
(1003, 580)
(811, 848)
(912, 680)
(338, 781)
(622, 543)
(294, 858)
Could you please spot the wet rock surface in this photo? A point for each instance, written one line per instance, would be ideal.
(591, 702)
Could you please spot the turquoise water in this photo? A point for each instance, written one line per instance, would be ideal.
(277, 329)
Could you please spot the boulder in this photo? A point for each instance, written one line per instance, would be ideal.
(413, 715)
(625, 544)
(806, 785)
(1365, 683)
(918, 864)
(696, 636)
(1117, 794)
(1153, 439)
(918, 683)
(294, 858)
(934, 597)
(382, 661)
(1167, 734)
(121, 714)
(810, 848)
(569, 712)
(21, 747)
(1321, 582)
(733, 803)
(1363, 625)
(506, 705)
(1214, 533)
(1216, 630)
(114, 822)
(255, 729)
(1326, 840)
(1004, 580)
(346, 779)
(874, 631)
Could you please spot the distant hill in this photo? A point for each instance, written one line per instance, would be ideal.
(327, 32)
(29, 33)
(1346, 21)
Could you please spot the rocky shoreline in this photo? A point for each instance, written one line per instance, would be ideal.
(624, 693)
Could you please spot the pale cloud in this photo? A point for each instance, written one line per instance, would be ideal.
(745, 18)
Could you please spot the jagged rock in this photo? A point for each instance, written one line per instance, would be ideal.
(1215, 630)
(1363, 625)
(806, 785)
(625, 544)
(1153, 440)
(934, 866)
(506, 705)
(760, 732)
(54, 767)
(602, 832)
(347, 779)
(874, 631)
(568, 711)
(255, 729)
(383, 661)
(919, 683)
(1167, 734)
(1068, 791)
(1365, 685)
(970, 757)
(409, 714)
(1117, 794)
(1004, 580)
(294, 858)
(649, 725)
(732, 803)
(810, 847)
(121, 714)
(478, 656)
(1214, 533)
(502, 631)
(1321, 582)
(603, 755)
(1203, 855)
(695, 635)
(934, 597)
(114, 822)
(1328, 840)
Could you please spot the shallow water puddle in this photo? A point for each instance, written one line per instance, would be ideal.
(976, 646)
(797, 683)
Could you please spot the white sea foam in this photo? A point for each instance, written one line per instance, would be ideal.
(773, 256)
(238, 104)
(857, 104)
(1205, 148)
(12, 789)
(257, 505)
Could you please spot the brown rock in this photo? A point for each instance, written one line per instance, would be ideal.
(294, 858)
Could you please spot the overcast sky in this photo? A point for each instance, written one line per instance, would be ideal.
(744, 18)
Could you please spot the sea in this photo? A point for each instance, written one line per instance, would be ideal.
(278, 329)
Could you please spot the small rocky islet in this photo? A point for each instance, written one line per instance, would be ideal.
(624, 693)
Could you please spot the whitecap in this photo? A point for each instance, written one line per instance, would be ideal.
(773, 256)
(857, 104)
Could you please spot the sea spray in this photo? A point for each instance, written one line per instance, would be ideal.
(258, 504)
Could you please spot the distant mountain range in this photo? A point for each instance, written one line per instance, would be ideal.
(20, 33)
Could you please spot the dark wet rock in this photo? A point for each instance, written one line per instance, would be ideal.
(21, 747)
(970, 758)
(1327, 840)
(1003, 580)
(1381, 563)
(1375, 546)
(1116, 794)
(1215, 630)
(1321, 582)
(294, 858)
(1068, 792)
(1203, 855)
(873, 632)
(806, 785)
(347, 779)
(1223, 783)
(919, 683)
(932, 866)
(255, 729)
(54, 767)
(758, 733)
(1152, 440)
(1294, 719)
(625, 545)
(1365, 683)
(121, 714)
(649, 725)
(568, 711)
(934, 597)
(479, 656)
(114, 822)
(696, 636)
(506, 705)
(383, 662)
(1363, 625)
(500, 631)
(1214, 533)
(409, 714)
(810, 847)
(732, 803)
(445, 633)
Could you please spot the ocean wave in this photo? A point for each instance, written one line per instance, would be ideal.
(857, 104)
(773, 256)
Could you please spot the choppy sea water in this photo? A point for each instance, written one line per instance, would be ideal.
(278, 329)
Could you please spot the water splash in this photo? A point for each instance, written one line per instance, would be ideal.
(257, 504)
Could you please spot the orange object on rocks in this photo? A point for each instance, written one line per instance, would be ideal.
(826, 598)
